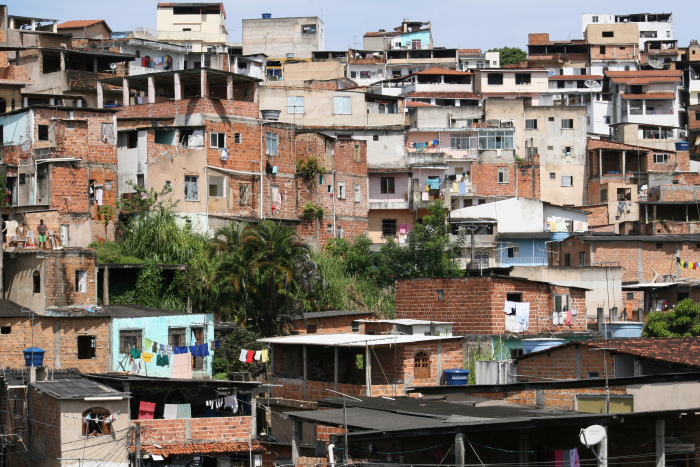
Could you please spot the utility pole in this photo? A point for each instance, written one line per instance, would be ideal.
(137, 448)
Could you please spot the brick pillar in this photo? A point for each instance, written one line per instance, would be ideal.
(204, 83)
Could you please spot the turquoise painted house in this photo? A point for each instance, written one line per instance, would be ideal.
(135, 326)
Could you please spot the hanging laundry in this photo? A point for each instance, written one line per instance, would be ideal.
(180, 350)
(194, 350)
(182, 366)
(250, 356)
(258, 354)
(265, 357)
(135, 353)
(147, 410)
(522, 315)
(509, 309)
(154, 347)
(184, 411)
(231, 402)
(170, 411)
(135, 367)
(147, 357)
(99, 193)
(569, 318)
(462, 188)
(203, 350)
(243, 356)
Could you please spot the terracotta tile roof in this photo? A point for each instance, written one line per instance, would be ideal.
(650, 95)
(80, 23)
(681, 350)
(645, 76)
(443, 71)
(445, 95)
(574, 77)
(381, 34)
(603, 144)
(366, 61)
(166, 450)
(469, 51)
(419, 104)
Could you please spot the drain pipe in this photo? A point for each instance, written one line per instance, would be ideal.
(331, 458)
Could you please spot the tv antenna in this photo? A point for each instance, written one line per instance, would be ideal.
(593, 85)
(145, 32)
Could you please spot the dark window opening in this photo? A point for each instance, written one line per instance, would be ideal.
(388, 185)
(567, 259)
(608, 33)
(514, 297)
(6, 330)
(388, 227)
(311, 329)
(522, 78)
(495, 78)
(130, 339)
(95, 422)
(177, 337)
(36, 280)
(128, 139)
(441, 294)
(659, 245)
(43, 132)
(87, 347)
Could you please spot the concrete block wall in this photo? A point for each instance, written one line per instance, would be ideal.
(191, 106)
(60, 277)
(571, 362)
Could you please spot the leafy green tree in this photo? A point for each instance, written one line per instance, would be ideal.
(510, 55)
(226, 358)
(430, 248)
(683, 321)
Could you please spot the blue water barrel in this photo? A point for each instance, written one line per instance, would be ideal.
(34, 356)
(682, 146)
(535, 345)
(456, 376)
(267, 15)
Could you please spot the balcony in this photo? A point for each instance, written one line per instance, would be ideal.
(524, 261)
(388, 200)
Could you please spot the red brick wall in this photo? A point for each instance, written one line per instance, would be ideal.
(476, 304)
(45, 332)
(571, 362)
(195, 429)
(194, 105)
(559, 399)
(44, 445)
(60, 277)
(330, 324)
(485, 179)
(598, 215)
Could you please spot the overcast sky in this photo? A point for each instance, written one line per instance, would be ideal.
(456, 23)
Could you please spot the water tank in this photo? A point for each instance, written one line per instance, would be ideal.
(456, 377)
(267, 15)
(34, 356)
(682, 146)
(535, 345)
(623, 329)
(270, 114)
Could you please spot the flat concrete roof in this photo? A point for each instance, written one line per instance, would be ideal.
(352, 339)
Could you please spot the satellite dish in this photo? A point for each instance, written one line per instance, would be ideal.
(592, 435)
(593, 84)
(145, 32)
(113, 66)
(656, 64)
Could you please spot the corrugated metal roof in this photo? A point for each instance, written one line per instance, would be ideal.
(352, 339)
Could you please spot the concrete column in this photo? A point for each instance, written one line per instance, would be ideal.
(95, 68)
(33, 25)
(603, 451)
(105, 286)
(151, 90)
(459, 449)
(368, 371)
(229, 88)
(335, 369)
(305, 366)
(62, 65)
(125, 92)
(204, 83)
(660, 443)
(523, 455)
(100, 95)
(624, 167)
(296, 440)
(600, 166)
(178, 87)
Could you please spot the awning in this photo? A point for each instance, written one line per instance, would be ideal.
(648, 285)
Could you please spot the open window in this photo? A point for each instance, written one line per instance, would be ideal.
(87, 347)
(421, 366)
(129, 339)
(96, 422)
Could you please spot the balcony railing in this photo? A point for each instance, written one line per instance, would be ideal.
(524, 261)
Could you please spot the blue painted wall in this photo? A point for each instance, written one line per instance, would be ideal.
(156, 328)
(407, 39)
(533, 252)
(15, 128)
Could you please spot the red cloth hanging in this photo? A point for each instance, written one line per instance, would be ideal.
(250, 356)
(147, 410)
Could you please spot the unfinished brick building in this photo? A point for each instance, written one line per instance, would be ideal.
(476, 305)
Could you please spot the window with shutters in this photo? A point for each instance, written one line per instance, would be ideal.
(129, 339)
(295, 104)
(343, 105)
(177, 337)
(421, 366)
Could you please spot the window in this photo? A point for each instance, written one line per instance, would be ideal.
(81, 280)
(421, 366)
(341, 190)
(522, 78)
(495, 78)
(561, 84)
(552, 175)
(604, 195)
(608, 33)
(416, 44)
(496, 140)
(562, 302)
(365, 74)
(140, 181)
(6, 330)
(514, 251)
(593, 374)
(606, 120)
(43, 132)
(567, 180)
(602, 50)
(567, 259)
(567, 151)
(659, 245)
(217, 140)
(387, 185)
(514, 297)
(168, 137)
(310, 329)
(661, 158)
(388, 227)
(353, 74)
(217, 187)
(191, 188)
(244, 192)
(375, 137)
(295, 104)
(129, 339)
(237, 138)
(87, 346)
(503, 175)
(36, 280)
(358, 153)
(459, 141)
(308, 28)
(343, 105)
(441, 294)
(582, 258)
(95, 422)
(177, 337)
(358, 193)
(567, 123)
(272, 143)
(594, 19)
(128, 139)
(531, 124)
